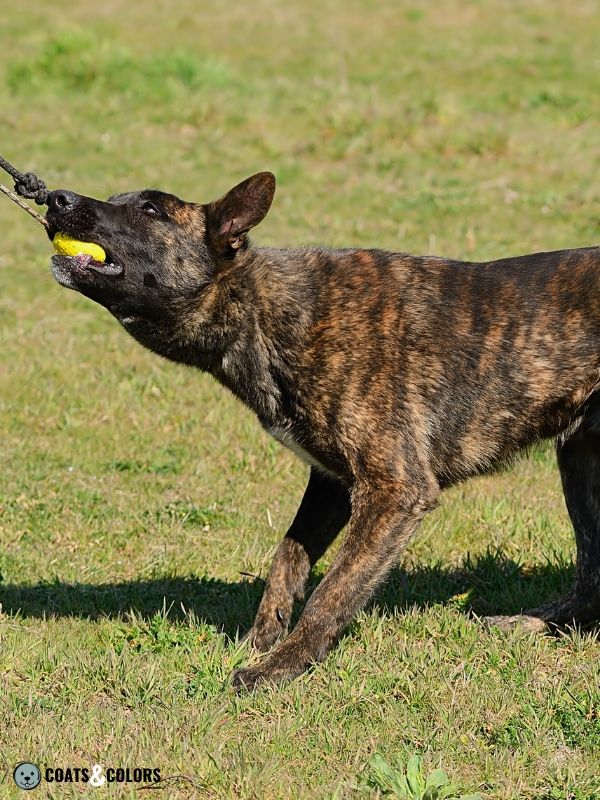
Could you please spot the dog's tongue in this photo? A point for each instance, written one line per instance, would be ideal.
(86, 260)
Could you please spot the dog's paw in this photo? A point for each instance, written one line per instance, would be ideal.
(264, 634)
(247, 679)
(279, 667)
(521, 622)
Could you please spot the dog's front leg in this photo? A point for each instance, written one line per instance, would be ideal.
(323, 512)
(381, 523)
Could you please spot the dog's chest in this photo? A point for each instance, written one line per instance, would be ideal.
(285, 438)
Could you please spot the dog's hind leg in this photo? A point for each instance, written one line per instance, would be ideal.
(579, 461)
(323, 512)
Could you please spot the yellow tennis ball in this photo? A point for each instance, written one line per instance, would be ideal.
(66, 246)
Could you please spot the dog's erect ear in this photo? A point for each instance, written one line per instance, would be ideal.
(230, 218)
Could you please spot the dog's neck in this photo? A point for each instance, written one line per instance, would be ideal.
(247, 328)
(265, 317)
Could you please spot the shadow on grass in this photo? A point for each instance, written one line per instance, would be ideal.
(495, 585)
(492, 583)
(228, 606)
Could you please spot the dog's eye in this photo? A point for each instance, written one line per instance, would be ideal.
(150, 209)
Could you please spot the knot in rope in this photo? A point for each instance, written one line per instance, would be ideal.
(27, 184)
(32, 188)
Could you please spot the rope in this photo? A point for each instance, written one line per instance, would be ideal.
(22, 204)
(27, 184)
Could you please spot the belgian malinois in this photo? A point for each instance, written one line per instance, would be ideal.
(392, 376)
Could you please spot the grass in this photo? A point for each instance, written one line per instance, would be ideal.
(138, 499)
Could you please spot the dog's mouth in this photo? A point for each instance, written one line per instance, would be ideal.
(83, 262)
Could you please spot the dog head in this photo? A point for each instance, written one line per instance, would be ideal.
(163, 255)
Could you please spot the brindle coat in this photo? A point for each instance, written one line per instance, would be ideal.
(393, 376)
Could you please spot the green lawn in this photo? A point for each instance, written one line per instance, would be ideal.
(138, 499)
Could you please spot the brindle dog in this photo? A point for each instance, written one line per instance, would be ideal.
(393, 376)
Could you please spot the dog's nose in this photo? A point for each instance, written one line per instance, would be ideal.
(61, 200)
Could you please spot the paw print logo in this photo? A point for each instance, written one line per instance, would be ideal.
(27, 775)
